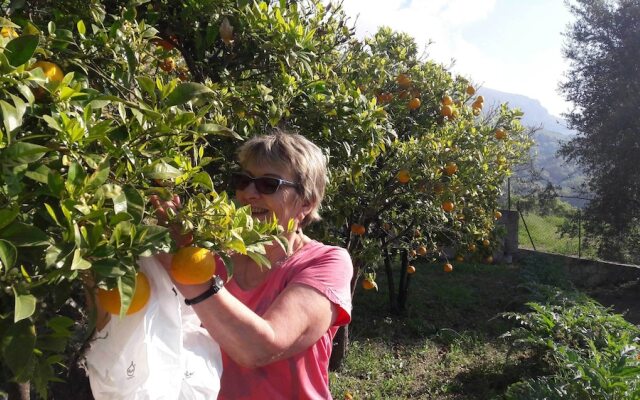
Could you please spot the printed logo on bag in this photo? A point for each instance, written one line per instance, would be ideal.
(131, 371)
(188, 374)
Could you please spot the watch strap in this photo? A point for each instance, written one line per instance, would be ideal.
(216, 284)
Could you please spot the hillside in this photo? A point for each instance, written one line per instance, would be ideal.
(551, 133)
(535, 115)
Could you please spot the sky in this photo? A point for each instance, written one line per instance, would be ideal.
(513, 46)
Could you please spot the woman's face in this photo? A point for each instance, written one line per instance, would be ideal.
(285, 202)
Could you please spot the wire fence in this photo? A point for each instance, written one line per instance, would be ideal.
(551, 226)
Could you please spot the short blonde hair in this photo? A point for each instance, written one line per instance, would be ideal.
(295, 152)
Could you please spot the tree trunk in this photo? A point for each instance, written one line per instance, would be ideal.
(403, 291)
(19, 391)
(340, 347)
(393, 303)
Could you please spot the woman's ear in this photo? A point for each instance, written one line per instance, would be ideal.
(305, 209)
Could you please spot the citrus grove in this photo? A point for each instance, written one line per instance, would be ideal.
(106, 106)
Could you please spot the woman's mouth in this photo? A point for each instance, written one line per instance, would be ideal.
(258, 212)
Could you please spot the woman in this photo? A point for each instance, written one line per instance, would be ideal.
(275, 325)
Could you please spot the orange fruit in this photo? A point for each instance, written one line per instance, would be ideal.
(471, 90)
(422, 250)
(358, 229)
(368, 284)
(479, 99)
(450, 168)
(168, 64)
(476, 110)
(446, 111)
(488, 260)
(448, 267)
(446, 100)
(348, 396)
(403, 81)
(110, 299)
(438, 188)
(501, 134)
(448, 206)
(411, 270)
(472, 247)
(412, 253)
(165, 44)
(497, 215)
(486, 242)
(459, 258)
(403, 176)
(193, 265)
(8, 32)
(51, 70)
(414, 104)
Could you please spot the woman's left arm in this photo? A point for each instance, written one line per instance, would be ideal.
(296, 320)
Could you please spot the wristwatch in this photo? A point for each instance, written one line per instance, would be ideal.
(216, 284)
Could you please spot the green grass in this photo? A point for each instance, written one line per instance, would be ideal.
(446, 346)
(546, 236)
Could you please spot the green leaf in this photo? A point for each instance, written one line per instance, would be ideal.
(81, 28)
(216, 129)
(8, 255)
(108, 268)
(161, 170)
(21, 49)
(78, 262)
(135, 203)
(126, 287)
(185, 92)
(10, 116)
(24, 152)
(7, 215)
(23, 235)
(203, 179)
(18, 343)
(25, 306)
(148, 85)
(98, 178)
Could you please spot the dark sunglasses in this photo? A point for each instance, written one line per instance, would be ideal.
(263, 184)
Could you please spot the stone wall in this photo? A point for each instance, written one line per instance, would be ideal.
(589, 273)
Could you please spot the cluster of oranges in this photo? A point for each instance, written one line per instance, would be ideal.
(189, 266)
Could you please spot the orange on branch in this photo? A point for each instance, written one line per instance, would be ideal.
(193, 265)
(501, 134)
(446, 100)
(422, 250)
(368, 284)
(459, 258)
(51, 70)
(411, 270)
(110, 299)
(414, 104)
(472, 248)
(446, 111)
(403, 176)
(448, 267)
(450, 168)
(403, 81)
(497, 215)
(486, 242)
(358, 229)
(448, 206)
(471, 90)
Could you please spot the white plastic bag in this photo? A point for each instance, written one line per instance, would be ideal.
(160, 352)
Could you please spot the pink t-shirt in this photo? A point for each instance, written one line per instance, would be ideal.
(327, 269)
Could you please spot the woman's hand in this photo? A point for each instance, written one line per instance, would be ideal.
(161, 210)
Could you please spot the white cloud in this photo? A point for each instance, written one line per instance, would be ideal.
(443, 22)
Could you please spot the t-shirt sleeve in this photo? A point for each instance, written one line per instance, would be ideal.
(330, 273)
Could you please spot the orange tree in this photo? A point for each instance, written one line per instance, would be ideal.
(94, 121)
(431, 188)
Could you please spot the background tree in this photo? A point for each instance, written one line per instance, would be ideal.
(603, 82)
